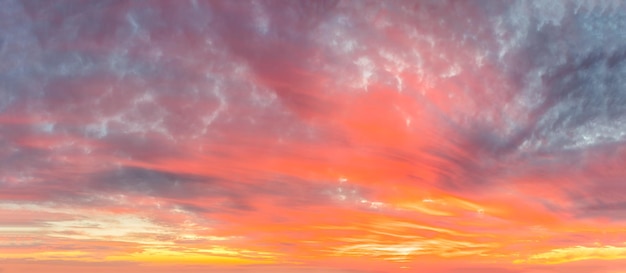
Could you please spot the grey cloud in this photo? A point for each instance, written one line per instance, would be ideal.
(192, 208)
(150, 182)
(578, 65)
(568, 75)
(233, 194)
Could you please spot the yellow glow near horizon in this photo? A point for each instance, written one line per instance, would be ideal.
(577, 253)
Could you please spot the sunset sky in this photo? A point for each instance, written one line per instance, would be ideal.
(314, 136)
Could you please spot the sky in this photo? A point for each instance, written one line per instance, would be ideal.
(315, 136)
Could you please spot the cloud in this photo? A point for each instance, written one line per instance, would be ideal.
(150, 182)
(296, 128)
(564, 255)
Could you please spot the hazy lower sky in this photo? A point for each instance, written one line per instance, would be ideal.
(313, 136)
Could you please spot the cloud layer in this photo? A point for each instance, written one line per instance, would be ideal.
(313, 135)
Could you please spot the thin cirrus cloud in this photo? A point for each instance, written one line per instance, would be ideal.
(312, 136)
